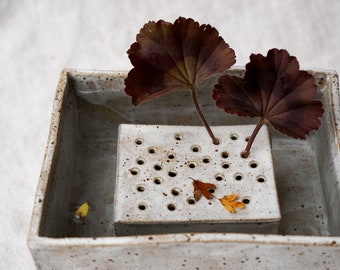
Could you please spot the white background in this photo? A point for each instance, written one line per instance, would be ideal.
(38, 38)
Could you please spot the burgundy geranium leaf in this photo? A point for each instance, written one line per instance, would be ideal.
(169, 57)
(277, 91)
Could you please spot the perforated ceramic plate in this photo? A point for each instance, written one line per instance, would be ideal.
(156, 165)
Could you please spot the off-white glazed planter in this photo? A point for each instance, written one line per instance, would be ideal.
(80, 165)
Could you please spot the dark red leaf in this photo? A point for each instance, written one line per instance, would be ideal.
(174, 56)
(274, 89)
(201, 188)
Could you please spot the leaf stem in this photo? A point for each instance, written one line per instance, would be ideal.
(202, 118)
(246, 151)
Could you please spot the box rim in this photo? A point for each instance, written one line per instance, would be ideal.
(35, 240)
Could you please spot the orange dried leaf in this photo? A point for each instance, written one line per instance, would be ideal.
(229, 203)
(201, 188)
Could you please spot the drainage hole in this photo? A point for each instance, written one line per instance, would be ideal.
(238, 176)
(219, 177)
(195, 148)
(140, 188)
(192, 165)
(158, 181)
(175, 192)
(171, 155)
(206, 159)
(246, 200)
(253, 164)
(172, 173)
(211, 190)
(152, 150)
(178, 136)
(139, 141)
(142, 206)
(234, 136)
(157, 167)
(225, 165)
(140, 161)
(134, 171)
(171, 207)
(261, 179)
(191, 201)
(224, 154)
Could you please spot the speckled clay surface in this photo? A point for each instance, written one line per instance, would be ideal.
(154, 190)
(80, 166)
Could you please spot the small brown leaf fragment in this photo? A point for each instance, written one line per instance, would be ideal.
(197, 195)
(202, 188)
(229, 203)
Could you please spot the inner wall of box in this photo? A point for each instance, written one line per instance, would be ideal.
(101, 105)
(63, 175)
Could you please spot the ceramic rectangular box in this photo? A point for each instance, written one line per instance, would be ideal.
(79, 166)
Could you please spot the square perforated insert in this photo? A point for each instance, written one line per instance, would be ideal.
(154, 183)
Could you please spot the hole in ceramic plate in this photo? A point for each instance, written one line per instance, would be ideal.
(171, 155)
(178, 136)
(158, 180)
(206, 159)
(191, 200)
(142, 206)
(195, 148)
(134, 171)
(175, 192)
(139, 141)
(219, 177)
(253, 164)
(192, 165)
(140, 188)
(261, 179)
(140, 161)
(172, 173)
(224, 154)
(238, 176)
(225, 165)
(157, 167)
(171, 207)
(211, 190)
(234, 136)
(246, 200)
(247, 139)
(152, 150)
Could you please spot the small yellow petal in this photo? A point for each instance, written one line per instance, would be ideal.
(226, 204)
(239, 205)
(229, 203)
(229, 208)
(82, 210)
(231, 197)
